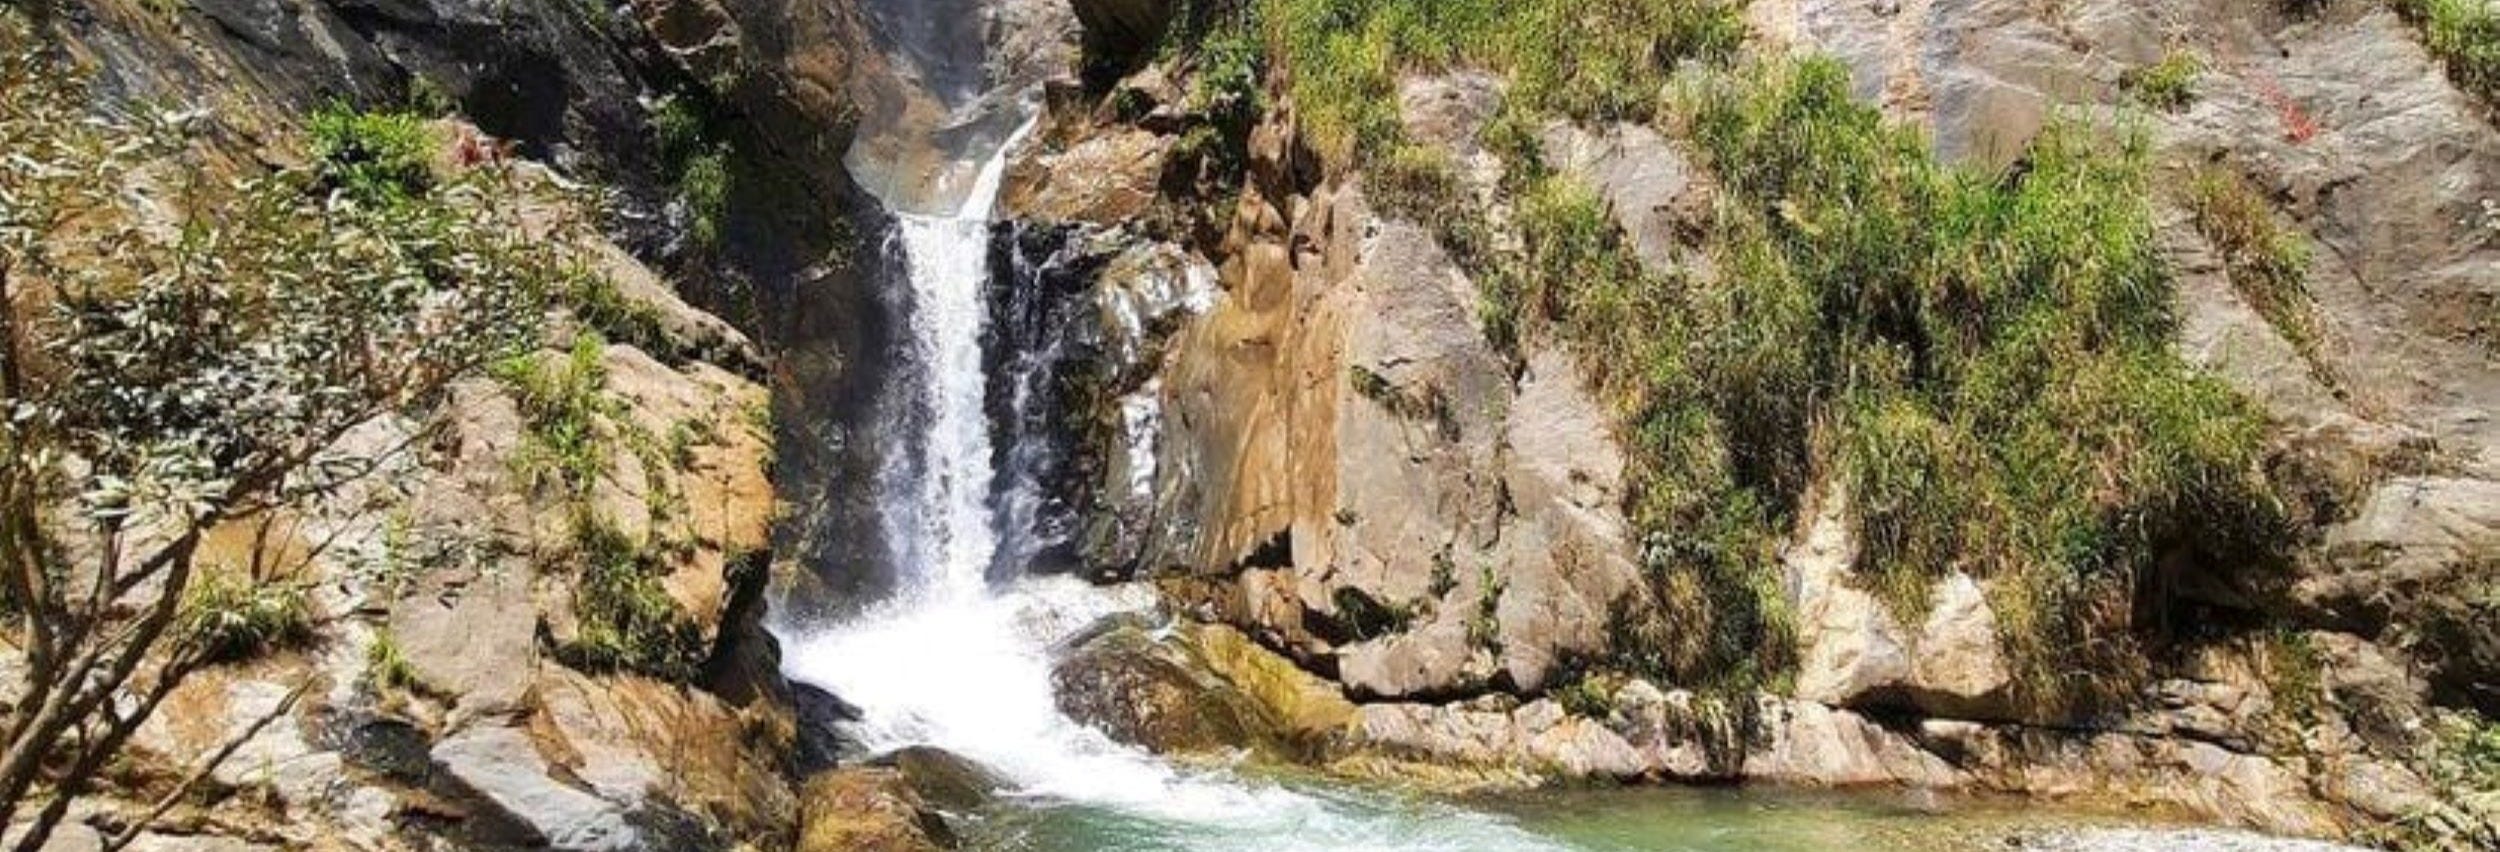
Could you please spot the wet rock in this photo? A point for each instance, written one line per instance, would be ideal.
(1140, 691)
(945, 779)
(868, 809)
(1197, 688)
(819, 716)
(1107, 179)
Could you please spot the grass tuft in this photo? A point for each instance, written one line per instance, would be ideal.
(2266, 262)
(564, 409)
(628, 621)
(234, 618)
(2465, 35)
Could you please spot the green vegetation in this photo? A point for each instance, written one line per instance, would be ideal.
(627, 621)
(1589, 695)
(386, 666)
(1987, 356)
(2468, 755)
(703, 183)
(1367, 617)
(2296, 674)
(1588, 59)
(376, 158)
(2266, 262)
(2168, 85)
(1982, 360)
(689, 150)
(234, 618)
(1484, 624)
(600, 304)
(564, 413)
(2465, 35)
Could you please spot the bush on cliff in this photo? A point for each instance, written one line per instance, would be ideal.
(1981, 359)
(177, 351)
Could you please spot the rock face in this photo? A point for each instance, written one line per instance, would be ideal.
(1339, 465)
(439, 704)
(1371, 484)
(448, 701)
(1121, 30)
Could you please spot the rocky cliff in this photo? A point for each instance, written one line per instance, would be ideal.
(537, 621)
(1313, 429)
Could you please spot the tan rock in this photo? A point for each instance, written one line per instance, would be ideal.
(1104, 179)
(1850, 647)
(1957, 666)
(867, 810)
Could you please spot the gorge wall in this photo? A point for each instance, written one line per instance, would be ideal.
(1303, 426)
(1407, 536)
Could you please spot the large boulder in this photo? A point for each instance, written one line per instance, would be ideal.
(1854, 650)
(868, 809)
(1197, 688)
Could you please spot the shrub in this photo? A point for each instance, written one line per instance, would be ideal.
(376, 158)
(2169, 84)
(704, 186)
(2465, 35)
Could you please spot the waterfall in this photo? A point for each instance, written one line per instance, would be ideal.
(960, 656)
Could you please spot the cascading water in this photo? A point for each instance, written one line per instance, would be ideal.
(957, 662)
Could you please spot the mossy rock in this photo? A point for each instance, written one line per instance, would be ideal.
(1197, 688)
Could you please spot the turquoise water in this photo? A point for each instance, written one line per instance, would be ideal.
(1670, 819)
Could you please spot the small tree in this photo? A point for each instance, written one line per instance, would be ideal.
(166, 368)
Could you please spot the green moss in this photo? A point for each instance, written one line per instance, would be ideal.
(2169, 84)
(378, 158)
